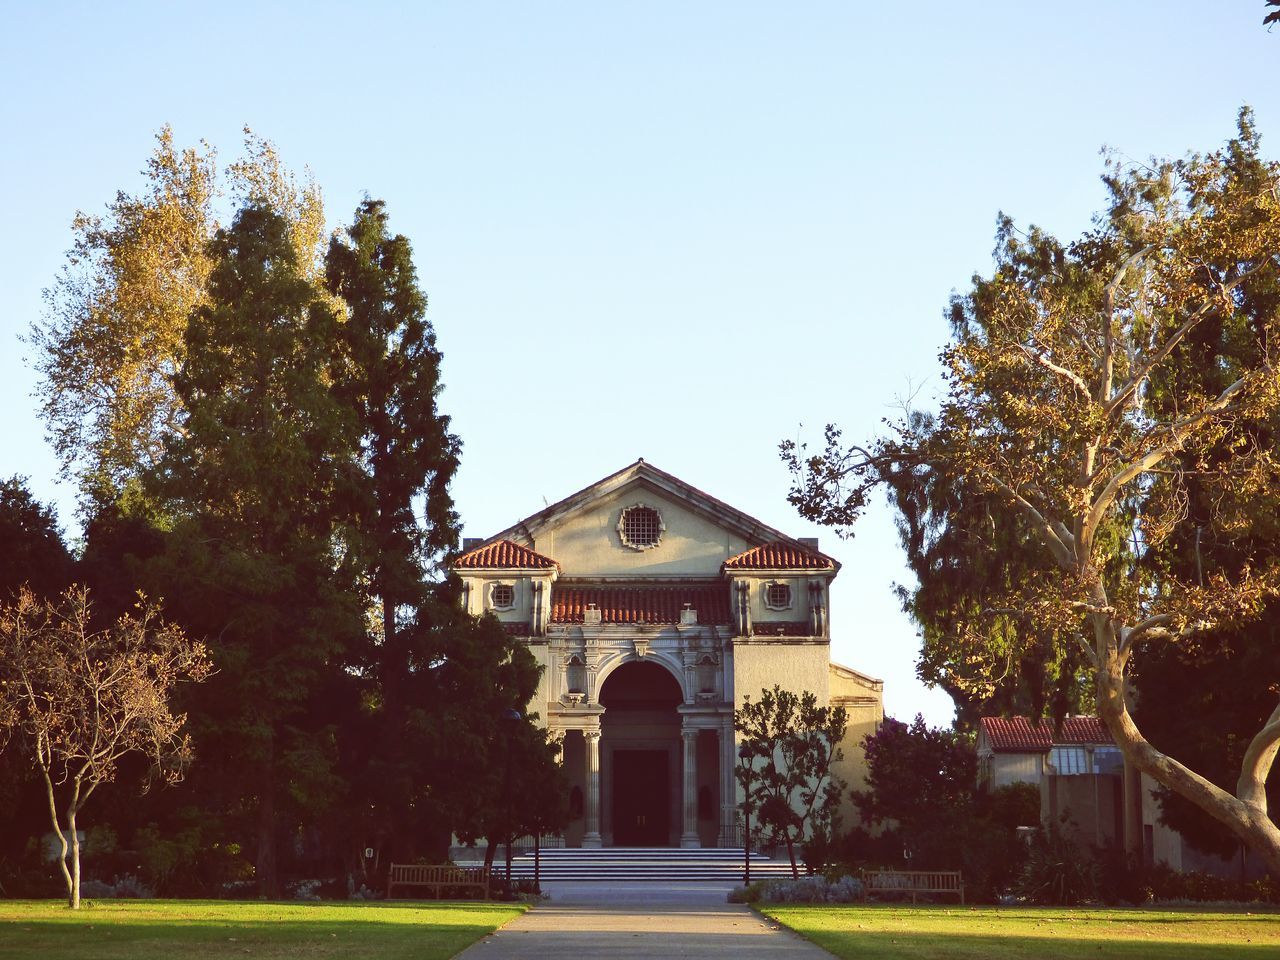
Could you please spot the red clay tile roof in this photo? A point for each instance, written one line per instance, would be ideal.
(1020, 735)
(651, 603)
(504, 553)
(780, 555)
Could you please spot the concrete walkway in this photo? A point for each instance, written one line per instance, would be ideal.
(640, 921)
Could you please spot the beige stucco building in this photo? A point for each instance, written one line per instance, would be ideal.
(654, 609)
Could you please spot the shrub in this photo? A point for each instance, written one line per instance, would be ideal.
(124, 887)
(748, 894)
(1057, 871)
(818, 850)
(96, 890)
(992, 859)
(129, 887)
(814, 889)
(304, 889)
(1122, 878)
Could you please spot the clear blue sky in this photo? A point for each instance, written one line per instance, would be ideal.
(682, 231)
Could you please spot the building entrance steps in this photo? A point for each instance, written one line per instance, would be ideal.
(611, 864)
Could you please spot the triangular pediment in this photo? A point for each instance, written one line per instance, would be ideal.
(699, 532)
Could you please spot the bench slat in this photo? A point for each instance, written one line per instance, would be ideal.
(437, 876)
(914, 882)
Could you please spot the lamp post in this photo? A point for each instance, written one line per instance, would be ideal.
(510, 719)
(746, 758)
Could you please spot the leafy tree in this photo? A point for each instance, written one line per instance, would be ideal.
(261, 179)
(923, 796)
(112, 338)
(918, 777)
(1203, 702)
(1074, 403)
(81, 699)
(443, 772)
(34, 553)
(793, 791)
(963, 550)
(35, 557)
(259, 482)
(522, 792)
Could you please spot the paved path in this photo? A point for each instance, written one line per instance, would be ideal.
(641, 921)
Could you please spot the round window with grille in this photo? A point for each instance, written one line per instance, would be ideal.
(504, 596)
(640, 527)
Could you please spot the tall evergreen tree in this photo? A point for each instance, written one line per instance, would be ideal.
(423, 757)
(261, 477)
(391, 383)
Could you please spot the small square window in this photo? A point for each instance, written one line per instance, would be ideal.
(503, 596)
(777, 596)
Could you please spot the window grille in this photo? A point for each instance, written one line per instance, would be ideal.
(778, 595)
(504, 595)
(640, 527)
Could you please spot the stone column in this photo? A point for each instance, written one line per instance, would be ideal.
(689, 838)
(728, 782)
(591, 837)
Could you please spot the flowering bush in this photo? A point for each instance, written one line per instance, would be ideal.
(124, 887)
(813, 889)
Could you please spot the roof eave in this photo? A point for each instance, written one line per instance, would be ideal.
(747, 526)
(781, 571)
(552, 572)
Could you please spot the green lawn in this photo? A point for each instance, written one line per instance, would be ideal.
(1004, 933)
(205, 929)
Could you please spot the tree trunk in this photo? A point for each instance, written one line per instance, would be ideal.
(1249, 821)
(791, 855)
(75, 856)
(265, 866)
(73, 889)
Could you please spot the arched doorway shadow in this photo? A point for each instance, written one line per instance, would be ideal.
(640, 755)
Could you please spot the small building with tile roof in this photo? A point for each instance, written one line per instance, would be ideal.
(1088, 790)
(1024, 750)
(655, 609)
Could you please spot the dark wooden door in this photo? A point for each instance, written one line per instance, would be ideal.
(641, 798)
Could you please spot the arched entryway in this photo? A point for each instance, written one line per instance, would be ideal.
(640, 756)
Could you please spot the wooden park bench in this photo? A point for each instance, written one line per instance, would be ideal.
(914, 882)
(438, 877)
